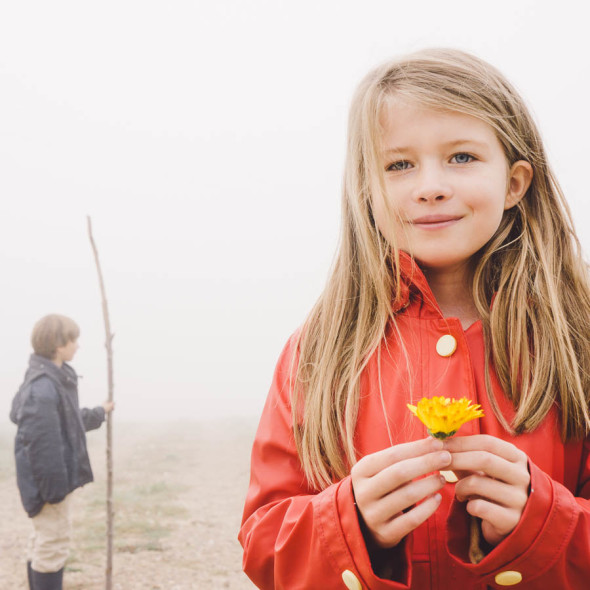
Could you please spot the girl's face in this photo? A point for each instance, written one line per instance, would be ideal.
(448, 180)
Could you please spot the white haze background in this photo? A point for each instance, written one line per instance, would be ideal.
(206, 140)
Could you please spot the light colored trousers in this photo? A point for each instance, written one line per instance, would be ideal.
(49, 544)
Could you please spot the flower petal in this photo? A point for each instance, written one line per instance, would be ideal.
(443, 416)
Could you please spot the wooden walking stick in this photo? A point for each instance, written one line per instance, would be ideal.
(109, 417)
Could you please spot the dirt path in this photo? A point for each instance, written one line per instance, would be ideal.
(179, 490)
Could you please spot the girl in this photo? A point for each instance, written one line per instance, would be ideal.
(458, 274)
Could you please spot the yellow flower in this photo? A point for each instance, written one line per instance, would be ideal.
(443, 416)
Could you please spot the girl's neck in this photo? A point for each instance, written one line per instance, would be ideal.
(453, 292)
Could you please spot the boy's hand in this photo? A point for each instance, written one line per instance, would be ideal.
(387, 484)
(493, 479)
(108, 406)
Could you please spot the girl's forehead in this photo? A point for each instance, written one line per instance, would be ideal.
(406, 121)
(400, 107)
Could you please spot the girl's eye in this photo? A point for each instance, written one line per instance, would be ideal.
(401, 165)
(462, 158)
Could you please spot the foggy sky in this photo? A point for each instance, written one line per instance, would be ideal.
(206, 140)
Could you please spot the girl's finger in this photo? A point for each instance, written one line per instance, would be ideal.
(369, 491)
(372, 464)
(402, 498)
(401, 473)
(490, 489)
(485, 442)
(396, 529)
(462, 474)
(498, 518)
(492, 465)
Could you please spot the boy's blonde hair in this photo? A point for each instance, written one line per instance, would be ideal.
(537, 332)
(51, 332)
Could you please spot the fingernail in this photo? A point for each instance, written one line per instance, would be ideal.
(436, 444)
(443, 481)
(444, 457)
(437, 498)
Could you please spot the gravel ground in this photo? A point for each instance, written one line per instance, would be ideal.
(179, 491)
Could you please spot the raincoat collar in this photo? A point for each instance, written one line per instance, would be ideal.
(39, 365)
(415, 292)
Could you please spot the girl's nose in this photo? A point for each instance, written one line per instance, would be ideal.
(432, 186)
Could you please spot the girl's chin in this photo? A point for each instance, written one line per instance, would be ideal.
(442, 264)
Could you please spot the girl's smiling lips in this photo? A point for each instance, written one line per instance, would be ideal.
(435, 221)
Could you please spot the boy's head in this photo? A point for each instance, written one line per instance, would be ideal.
(51, 332)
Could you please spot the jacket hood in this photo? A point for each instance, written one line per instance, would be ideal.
(40, 366)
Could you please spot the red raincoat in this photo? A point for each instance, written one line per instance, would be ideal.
(295, 537)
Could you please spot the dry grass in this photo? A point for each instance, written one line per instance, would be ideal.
(179, 490)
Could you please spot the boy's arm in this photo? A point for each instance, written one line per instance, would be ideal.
(92, 418)
(41, 429)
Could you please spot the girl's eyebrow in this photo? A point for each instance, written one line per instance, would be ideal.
(448, 145)
(473, 142)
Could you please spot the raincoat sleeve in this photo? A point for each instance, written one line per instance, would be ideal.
(40, 429)
(295, 537)
(550, 547)
(92, 418)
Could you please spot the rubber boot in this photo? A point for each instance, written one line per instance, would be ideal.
(30, 576)
(47, 581)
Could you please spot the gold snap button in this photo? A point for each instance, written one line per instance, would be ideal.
(446, 345)
(351, 581)
(508, 578)
(449, 476)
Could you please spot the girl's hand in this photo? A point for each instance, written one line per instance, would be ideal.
(386, 488)
(494, 481)
(108, 406)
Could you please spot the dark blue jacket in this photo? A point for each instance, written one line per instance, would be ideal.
(50, 446)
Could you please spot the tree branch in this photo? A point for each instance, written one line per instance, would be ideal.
(109, 418)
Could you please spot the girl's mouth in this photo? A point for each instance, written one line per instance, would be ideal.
(435, 221)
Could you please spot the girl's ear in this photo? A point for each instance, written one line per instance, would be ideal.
(519, 180)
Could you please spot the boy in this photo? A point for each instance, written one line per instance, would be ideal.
(50, 446)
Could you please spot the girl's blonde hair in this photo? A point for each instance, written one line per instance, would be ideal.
(537, 331)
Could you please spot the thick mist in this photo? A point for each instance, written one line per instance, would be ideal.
(206, 140)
